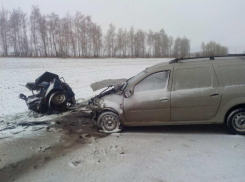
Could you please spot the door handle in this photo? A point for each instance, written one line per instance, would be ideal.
(214, 95)
(164, 100)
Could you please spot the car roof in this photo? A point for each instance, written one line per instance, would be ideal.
(202, 61)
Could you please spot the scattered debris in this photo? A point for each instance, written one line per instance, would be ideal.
(44, 150)
(8, 128)
(58, 122)
(76, 163)
(237, 145)
(79, 131)
(17, 132)
(31, 123)
(36, 166)
(85, 136)
(14, 165)
(4, 137)
(36, 129)
(47, 158)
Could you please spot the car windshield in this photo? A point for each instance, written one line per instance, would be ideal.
(136, 77)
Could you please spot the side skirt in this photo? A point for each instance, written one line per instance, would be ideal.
(171, 123)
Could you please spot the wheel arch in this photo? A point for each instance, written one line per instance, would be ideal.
(110, 110)
(98, 113)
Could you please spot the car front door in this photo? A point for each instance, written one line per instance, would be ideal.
(150, 101)
(195, 95)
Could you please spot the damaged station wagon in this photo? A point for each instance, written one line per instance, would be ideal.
(182, 91)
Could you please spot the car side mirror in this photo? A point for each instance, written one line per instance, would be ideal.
(127, 93)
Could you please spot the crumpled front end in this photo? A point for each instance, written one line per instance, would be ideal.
(108, 100)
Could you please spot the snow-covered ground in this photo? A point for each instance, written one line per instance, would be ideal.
(160, 154)
(78, 73)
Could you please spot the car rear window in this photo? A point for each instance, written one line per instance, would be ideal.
(189, 78)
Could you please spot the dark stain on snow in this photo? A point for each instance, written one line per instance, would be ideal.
(66, 127)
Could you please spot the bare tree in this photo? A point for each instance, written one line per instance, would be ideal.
(177, 46)
(131, 41)
(213, 49)
(139, 40)
(150, 43)
(124, 42)
(203, 48)
(34, 26)
(185, 47)
(171, 43)
(53, 33)
(4, 30)
(18, 32)
(120, 41)
(164, 43)
(14, 31)
(24, 38)
(110, 41)
(42, 27)
(78, 36)
(97, 39)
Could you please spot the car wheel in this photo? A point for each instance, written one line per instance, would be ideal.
(59, 99)
(236, 121)
(109, 122)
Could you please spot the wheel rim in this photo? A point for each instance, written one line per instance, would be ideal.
(59, 99)
(239, 121)
(110, 123)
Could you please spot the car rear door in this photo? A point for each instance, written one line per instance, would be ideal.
(150, 101)
(195, 95)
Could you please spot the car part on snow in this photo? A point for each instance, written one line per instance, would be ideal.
(53, 95)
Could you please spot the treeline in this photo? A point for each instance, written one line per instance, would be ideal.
(78, 36)
(212, 48)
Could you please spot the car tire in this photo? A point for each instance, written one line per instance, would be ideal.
(109, 122)
(236, 121)
(59, 99)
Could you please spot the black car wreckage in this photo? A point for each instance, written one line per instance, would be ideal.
(50, 94)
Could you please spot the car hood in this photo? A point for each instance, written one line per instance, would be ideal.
(106, 83)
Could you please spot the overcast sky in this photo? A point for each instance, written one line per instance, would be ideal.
(222, 21)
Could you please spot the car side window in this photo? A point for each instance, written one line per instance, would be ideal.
(155, 81)
(230, 75)
(190, 78)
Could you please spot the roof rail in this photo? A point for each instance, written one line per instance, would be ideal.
(176, 60)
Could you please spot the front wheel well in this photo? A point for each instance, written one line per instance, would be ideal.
(105, 110)
(108, 110)
(232, 109)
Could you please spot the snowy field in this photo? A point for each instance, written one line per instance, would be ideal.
(78, 73)
(203, 153)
